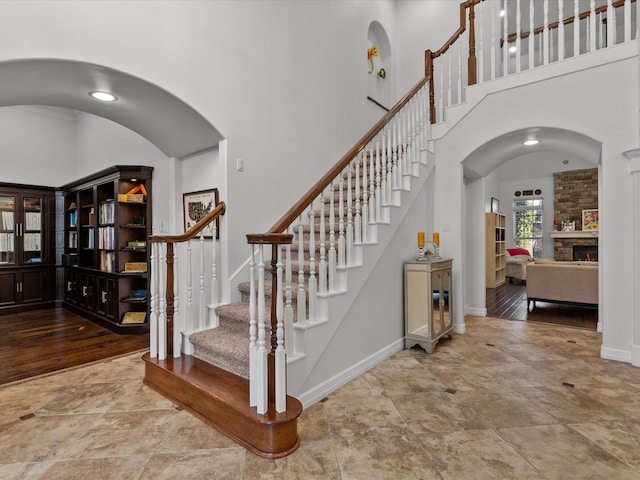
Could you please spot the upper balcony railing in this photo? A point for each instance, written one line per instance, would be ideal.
(506, 37)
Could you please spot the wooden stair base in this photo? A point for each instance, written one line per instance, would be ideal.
(221, 400)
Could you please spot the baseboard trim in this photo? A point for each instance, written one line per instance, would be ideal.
(320, 391)
(615, 354)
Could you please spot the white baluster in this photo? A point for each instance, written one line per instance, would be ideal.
(532, 43)
(332, 240)
(459, 89)
(627, 21)
(202, 297)
(384, 198)
(545, 34)
(162, 305)
(441, 99)
(450, 79)
(592, 27)
(189, 315)
(494, 40)
(178, 328)
(288, 298)
(341, 236)
(350, 214)
(313, 285)
(576, 28)
(611, 24)
(214, 265)
(253, 332)
(301, 304)
(551, 45)
(505, 44)
(358, 218)
(280, 353)
(322, 267)
(600, 40)
(518, 35)
(365, 200)
(480, 54)
(262, 373)
(153, 288)
(372, 188)
(560, 30)
(378, 193)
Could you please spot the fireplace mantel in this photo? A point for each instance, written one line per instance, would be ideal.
(575, 234)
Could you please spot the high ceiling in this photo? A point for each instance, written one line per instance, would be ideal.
(166, 121)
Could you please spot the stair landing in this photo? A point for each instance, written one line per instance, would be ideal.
(221, 399)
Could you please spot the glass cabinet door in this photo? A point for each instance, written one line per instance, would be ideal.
(446, 299)
(436, 303)
(7, 230)
(31, 230)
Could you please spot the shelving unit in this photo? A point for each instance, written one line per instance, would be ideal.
(496, 259)
(27, 247)
(107, 223)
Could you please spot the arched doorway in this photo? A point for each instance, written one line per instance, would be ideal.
(496, 167)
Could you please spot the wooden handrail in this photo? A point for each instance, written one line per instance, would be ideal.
(288, 218)
(567, 21)
(219, 210)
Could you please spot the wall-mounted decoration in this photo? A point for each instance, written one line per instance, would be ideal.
(590, 219)
(196, 205)
(495, 205)
(372, 52)
(382, 73)
(518, 193)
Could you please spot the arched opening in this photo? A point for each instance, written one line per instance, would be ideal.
(379, 63)
(141, 106)
(499, 169)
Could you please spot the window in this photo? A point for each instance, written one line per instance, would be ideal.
(527, 225)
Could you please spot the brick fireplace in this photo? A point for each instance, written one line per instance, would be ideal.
(564, 243)
(574, 191)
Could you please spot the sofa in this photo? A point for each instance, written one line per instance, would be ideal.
(516, 264)
(573, 283)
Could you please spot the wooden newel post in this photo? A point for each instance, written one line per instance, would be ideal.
(428, 72)
(471, 65)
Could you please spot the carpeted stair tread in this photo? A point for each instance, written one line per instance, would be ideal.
(224, 348)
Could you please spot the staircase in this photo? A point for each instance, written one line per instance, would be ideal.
(319, 256)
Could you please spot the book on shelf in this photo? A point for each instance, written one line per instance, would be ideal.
(135, 267)
(137, 244)
(134, 318)
(73, 218)
(137, 220)
(107, 261)
(7, 221)
(73, 239)
(32, 221)
(130, 198)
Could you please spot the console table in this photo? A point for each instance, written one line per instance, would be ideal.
(427, 302)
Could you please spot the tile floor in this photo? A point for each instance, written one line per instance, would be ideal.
(507, 400)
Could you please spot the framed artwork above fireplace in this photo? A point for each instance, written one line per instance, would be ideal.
(590, 219)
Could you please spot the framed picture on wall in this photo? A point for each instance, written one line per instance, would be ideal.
(590, 219)
(196, 205)
(495, 205)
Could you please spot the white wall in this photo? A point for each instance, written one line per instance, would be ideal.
(422, 26)
(507, 196)
(37, 145)
(284, 82)
(559, 102)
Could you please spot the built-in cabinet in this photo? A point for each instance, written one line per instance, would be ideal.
(427, 302)
(27, 247)
(107, 223)
(496, 252)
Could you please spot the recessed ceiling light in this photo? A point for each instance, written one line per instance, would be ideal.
(103, 96)
(531, 142)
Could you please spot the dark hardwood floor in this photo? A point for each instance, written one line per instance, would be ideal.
(510, 301)
(43, 341)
